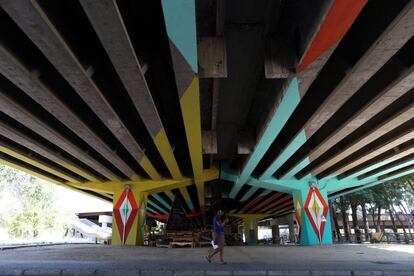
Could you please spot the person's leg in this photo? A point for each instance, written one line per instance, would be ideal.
(221, 253)
(213, 253)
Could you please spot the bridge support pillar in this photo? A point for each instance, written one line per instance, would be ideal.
(312, 215)
(129, 217)
(250, 228)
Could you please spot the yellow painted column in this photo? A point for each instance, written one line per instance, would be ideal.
(250, 229)
(129, 216)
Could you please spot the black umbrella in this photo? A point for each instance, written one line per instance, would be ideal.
(226, 204)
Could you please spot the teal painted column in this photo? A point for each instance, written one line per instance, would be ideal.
(312, 214)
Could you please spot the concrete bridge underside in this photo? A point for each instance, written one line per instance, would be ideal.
(278, 104)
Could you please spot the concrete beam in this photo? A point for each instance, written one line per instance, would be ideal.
(11, 68)
(212, 57)
(386, 45)
(246, 143)
(108, 24)
(382, 99)
(335, 19)
(29, 142)
(209, 142)
(279, 59)
(398, 32)
(32, 160)
(274, 124)
(28, 119)
(30, 17)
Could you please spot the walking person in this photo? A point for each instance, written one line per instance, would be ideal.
(219, 221)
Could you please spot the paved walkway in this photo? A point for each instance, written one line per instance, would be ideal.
(247, 260)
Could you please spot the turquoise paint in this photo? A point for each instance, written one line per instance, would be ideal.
(252, 191)
(370, 168)
(163, 212)
(249, 193)
(152, 210)
(299, 140)
(180, 21)
(298, 167)
(374, 184)
(289, 102)
(160, 199)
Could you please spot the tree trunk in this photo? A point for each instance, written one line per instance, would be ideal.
(364, 218)
(335, 219)
(373, 216)
(378, 226)
(410, 223)
(355, 225)
(345, 223)
(394, 227)
(407, 240)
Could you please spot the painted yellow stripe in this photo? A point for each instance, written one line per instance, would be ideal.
(37, 164)
(99, 187)
(149, 168)
(149, 186)
(78, 171)
(186, 195)
(190, 108)
(165, 150)
(23, 169)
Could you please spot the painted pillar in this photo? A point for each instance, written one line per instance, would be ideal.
(312, 215)
(129, 216)
(276, 233)
(292, 233)
(250, 229)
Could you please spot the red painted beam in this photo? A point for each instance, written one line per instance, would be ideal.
(158, 216)
(336, 24)
(264, 204)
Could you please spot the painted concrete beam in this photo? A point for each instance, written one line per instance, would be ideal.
(334, 22)
(30, 17)
(385, 46)
(180, 22)
(271, 129)
(108, 24)
(162, 201)
(147, 186)
(26, 170)
(373, 184)
(398, 32)
(39, 164)
(29, 142)
(25, 117)
(368, 121)
(28, 82)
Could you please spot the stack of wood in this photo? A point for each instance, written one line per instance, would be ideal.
(188, 238)
(182, 238)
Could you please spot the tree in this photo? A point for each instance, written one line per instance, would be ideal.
(26, 204)
(343, 206)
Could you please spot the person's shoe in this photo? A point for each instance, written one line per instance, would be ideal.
(208, 259)
(223, 263)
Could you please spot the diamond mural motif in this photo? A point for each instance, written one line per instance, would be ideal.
(125, 211)
(316, 209)
(298, 214)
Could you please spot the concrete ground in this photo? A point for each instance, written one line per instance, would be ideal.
(243, 260)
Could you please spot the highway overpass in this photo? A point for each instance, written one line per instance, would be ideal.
(278, 104)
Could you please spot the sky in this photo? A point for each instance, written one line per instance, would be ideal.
(79, 202)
